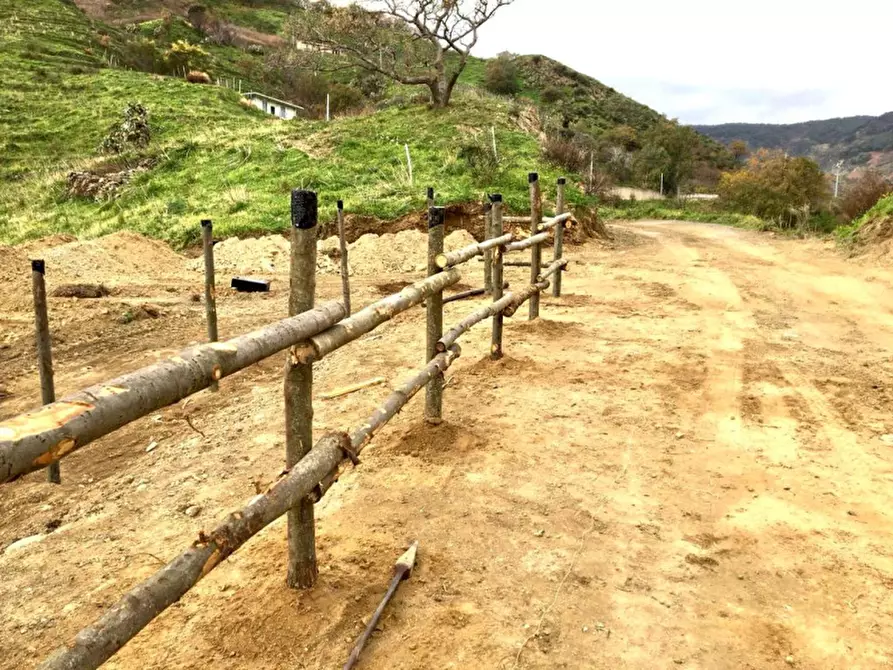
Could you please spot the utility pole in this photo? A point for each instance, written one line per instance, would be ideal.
(837, 170)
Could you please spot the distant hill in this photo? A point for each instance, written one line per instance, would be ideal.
(859, 141)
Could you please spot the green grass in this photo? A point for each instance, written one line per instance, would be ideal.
(681, 210)
(883, 209)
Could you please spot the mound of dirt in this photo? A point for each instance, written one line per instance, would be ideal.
(371, 254)
(120, 258)
(15, 276)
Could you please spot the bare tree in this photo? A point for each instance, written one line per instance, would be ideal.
(414, 42)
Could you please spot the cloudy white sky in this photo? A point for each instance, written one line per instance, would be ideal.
(716, 61)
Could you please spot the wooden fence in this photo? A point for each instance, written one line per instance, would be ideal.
(41, 438)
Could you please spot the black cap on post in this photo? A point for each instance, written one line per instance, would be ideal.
(430, 193)
(206, 223)
(436, 216)
(38, 266)
(340, 204)
(303, 209)
(562, 181)
(495, 197)
(533, 177)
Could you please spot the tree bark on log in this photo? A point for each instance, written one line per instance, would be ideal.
(345, 265)
(434, 315)
(562, 219)
(459, 256)
(524, 296)
(97, 643)
(516, 219)
(488, 254)
(210, 285)
(473, 319)
(498, 273)
(555, 267)
(536, 217)
(371, 317)
(531, 241)
(558, 244)
(298, 389)
(44, 349)
(34, 440)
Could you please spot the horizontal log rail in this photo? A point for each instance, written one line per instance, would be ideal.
(459, 256)
(558, 265)
(562, 219)
(526, 244)
(470, 293)
(473, 319)
(372, 316)
(523, 296)
(43, 436)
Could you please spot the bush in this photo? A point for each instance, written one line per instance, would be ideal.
(569, 154)
(480, 161)
(343, 98)
(183, 56)
(552, 94)
(142, 54)
(863, 193)
(502, 76)
(198, 77)
(773, 186)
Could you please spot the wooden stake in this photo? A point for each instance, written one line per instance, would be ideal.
(302, 569)
(536, 217)
(498, 254)
(488, 254)
(345, 267)
(44, 349)
(352, 388)
(558, 248)
(430, 198)
(434, 331)
(210, 291)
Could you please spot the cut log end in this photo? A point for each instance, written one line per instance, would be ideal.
(441, 261)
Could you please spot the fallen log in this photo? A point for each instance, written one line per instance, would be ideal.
(471, 293)
(524, 296)
(34, 440)
(516, 219)
(526, 244)
(473, 319)
(459, 256)
(98, 642)
(369, 318)
(558, 265)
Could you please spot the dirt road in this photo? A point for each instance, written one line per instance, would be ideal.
(686, 463)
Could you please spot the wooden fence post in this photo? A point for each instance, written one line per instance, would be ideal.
(434, 392)
(488, 254)
(302, 569)
(430, 197)
(345, 267)
(536, 218)
(558, 250)
(496, 230)
(210, 290)
(44, 349)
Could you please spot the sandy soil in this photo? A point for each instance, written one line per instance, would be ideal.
(685, 463)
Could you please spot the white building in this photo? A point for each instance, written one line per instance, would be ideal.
(280, 108)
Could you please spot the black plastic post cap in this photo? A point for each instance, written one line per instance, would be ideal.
(562, 181)
(206, 223)
(340, 204)
(430, 193)
(436, 216)
(533, 177)
(495, 197)
(303, 209)
(38, 266)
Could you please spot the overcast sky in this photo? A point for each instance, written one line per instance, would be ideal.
(715, 61)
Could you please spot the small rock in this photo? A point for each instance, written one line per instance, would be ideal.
(539, 533)
(192, 510)
(787, 488)
(789, 660)
(887, 438)
(599, 625)
(680, 435)
(852, 513)
(585, 629)
(152, 446)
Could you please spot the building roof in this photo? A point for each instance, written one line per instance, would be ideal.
(271, 99)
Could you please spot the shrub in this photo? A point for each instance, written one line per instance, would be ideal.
(198, 77)
(552, 94)
(141, 54)
(863, 193)
(480, 161)
(569, 154)
(185, 56)
(773, 186)
(502, 76)
(343, 98)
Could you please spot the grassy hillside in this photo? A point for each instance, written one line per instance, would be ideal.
(860, 141)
